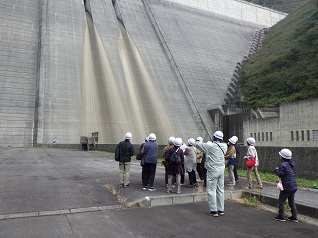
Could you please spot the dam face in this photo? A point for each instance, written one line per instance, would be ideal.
(71, 68)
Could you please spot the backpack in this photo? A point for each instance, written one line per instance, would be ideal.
(175, 159)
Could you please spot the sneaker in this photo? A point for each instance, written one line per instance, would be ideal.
(215, 214)
(237, 181)
(293, 219)
(173, 186)
(152, 189)
(230, 184)
(167, 185)
(125, 186)
(144, 188)
(278, 218)
(221, 213)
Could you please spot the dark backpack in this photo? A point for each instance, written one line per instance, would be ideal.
(175, 159)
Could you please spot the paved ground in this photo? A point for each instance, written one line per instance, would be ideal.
(67, 193)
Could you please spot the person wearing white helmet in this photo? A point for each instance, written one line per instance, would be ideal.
(215, 172)
(175, 169)
(286, 173)
(164, 162)
(190, 162)
(229, 160)
(251, 154)
(200, 160)
(150, 154)
(235, 161)
(124, 151)
(183, 147)
(140, 156)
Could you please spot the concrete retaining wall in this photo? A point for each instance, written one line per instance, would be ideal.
(296, 126)
(305, 159)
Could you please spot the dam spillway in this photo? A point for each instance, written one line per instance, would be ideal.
(61, 79)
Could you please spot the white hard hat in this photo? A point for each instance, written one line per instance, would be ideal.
(285, 153)
(250, 141)
(232, 140)
(128, 136)
(218, 135)
(152, 136)
(191, 141)
(177, 142)
(171, 140)
(200, 139)
(235, 138)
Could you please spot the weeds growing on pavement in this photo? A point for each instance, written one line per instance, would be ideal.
(118, 195)
(251, 201)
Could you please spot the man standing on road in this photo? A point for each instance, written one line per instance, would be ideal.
(215, 172)
(123, 153)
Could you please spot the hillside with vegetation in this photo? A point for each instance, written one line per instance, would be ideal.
(286, 68)
(279, 5)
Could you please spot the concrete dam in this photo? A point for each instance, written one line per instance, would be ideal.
(71, 68)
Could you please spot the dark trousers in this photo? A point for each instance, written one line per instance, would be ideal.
(166, 175)
(182, 178)
(283, 196)
(192, 177)
(202, 172)
(235, 173)
(149, 173)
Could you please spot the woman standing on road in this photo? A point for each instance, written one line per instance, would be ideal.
(175, 169)
(251, 154)
(286, 172)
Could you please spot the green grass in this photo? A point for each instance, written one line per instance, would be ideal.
(251, 201)
(285, 69)
(272, 178)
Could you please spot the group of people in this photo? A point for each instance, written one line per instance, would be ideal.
(209, 161)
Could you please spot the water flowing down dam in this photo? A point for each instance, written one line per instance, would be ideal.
(112, 106)
(72, 68)
(103, 110)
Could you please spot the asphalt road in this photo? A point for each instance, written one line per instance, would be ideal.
(189, 220)
(39, 180)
